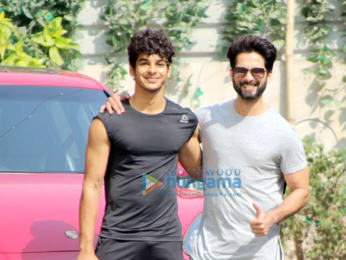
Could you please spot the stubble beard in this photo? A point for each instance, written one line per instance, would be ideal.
(246, 96)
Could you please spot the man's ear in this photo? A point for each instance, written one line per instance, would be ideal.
(269, 76)
(231, 73)
(132, 71)
(169, 73)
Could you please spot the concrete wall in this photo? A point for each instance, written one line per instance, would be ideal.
(209, 71)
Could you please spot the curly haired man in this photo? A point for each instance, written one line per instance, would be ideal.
(147, 139)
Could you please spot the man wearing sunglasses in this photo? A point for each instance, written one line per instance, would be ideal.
(248, 135)
(252, 144)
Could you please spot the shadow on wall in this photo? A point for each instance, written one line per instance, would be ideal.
(319, 131)
(312, 97)
(325, 123)
(342, 117)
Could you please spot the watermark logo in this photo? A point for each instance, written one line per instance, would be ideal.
(149, 183)
(218, 178)
(214, 183)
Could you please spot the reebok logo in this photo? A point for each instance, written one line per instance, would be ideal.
(184, 119)
(149, 183)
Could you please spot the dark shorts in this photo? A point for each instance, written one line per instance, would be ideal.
(111, 249)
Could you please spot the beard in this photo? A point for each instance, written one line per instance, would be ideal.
(246, 95)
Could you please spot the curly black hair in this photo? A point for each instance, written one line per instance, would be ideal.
(252, 43)
(150, 42)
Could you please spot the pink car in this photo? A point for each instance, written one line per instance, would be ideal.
(44, 121)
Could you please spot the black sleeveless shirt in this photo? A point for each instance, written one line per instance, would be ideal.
(144, 150)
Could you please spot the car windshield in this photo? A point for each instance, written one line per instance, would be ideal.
(45, 129)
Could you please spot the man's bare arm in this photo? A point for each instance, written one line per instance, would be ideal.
(190, 156)
(97, 154)
(298, 184)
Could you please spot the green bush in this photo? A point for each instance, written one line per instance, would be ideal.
(55, 21)
(326, 209)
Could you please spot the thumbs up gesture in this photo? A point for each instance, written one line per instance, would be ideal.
(261, 224)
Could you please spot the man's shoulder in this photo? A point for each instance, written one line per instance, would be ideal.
(105, 116)
(174, 107)
(180, 115)
(278, 120)
(281, 128)
(111, 120)
(214, 109)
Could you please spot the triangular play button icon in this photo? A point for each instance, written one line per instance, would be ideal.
(149, 183)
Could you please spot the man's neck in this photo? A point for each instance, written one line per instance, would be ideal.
(250, 107)
(148, 103)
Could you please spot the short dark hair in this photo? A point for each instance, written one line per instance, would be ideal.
(252, 43)
(150, 42)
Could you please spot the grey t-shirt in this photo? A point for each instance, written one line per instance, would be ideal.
(244, 159)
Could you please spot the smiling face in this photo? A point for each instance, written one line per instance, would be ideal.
(151, 72)
(248, 87)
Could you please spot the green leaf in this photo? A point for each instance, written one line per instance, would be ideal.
(2, 51)
(146, 4)
(21, 63)
(337, 103)
(198, 92)
(62, 43)
(58, 33)
(9, 26)
(10, 60)
(313, 58)
(55, 56)
(279, 44)
(325, 48)
(49, 41)
(5, 31)
(122, 21)
(242, 8)
(344, 79)
(325, 61)
(305, 71)
(49, 17)
(19, 47)
(11, 48)
(68, 17)
(38, 38)
(36, 63)
(27, 12)
(55, 24)
(123, 72)
(326, 102)
(74, 46)
(322, 73)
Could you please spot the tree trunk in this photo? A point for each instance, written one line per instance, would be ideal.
(290, 91)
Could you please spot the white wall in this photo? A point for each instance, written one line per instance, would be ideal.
(209, 71)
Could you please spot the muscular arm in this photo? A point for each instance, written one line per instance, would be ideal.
(298, 184)
(190, 156)
(97, 154)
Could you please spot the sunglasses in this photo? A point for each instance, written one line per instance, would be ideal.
(257, 73)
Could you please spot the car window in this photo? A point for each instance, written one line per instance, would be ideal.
(45, 129)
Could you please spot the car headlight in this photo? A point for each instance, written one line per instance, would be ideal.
(191, 235)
